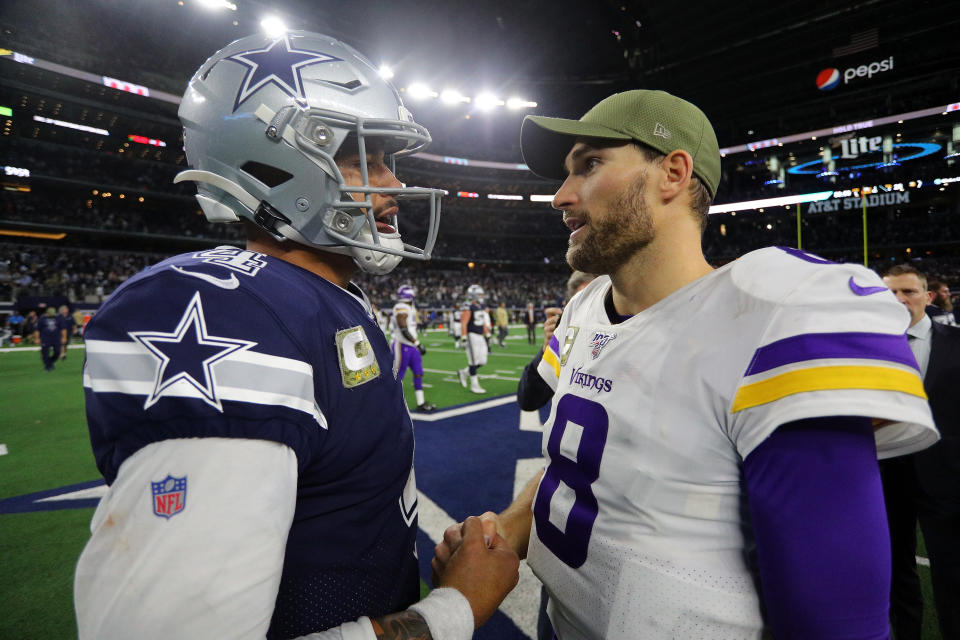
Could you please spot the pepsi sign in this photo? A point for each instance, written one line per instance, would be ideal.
(829, 78)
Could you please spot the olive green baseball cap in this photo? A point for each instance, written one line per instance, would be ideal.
(654, 118)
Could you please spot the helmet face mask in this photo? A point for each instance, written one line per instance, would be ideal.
(263, 122)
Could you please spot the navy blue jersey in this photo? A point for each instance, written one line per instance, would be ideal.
(67, 322)
(232, 343)
(478, 318)
(49, 329)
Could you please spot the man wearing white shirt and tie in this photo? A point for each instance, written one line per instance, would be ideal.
(926, 486)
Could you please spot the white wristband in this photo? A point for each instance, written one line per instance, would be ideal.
(359, 630)
(447, 613)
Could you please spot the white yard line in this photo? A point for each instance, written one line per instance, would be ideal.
(493, 354)
(459, 411)
(3, 450)
(483, 376)
(13, 349)
(82, 494)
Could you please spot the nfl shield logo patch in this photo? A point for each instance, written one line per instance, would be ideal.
(169, 496)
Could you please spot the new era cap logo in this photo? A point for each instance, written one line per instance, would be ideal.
(660, 130)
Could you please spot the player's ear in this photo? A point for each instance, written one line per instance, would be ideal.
(677, 169)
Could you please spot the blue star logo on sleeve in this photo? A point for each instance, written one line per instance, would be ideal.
(279, 64)
(187, 354)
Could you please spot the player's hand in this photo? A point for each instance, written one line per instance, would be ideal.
(550, 324)
(422, 349)
(478, 563)
(453, 537)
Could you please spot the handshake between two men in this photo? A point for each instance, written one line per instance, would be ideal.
(480, 557)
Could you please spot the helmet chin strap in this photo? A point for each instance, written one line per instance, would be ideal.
(370, 261)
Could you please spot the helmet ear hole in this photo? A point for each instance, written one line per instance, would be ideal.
(268, 175)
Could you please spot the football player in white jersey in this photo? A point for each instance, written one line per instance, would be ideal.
(457, 328)
(408, 351)
(240, 402)
(713, 438)
(475, 328)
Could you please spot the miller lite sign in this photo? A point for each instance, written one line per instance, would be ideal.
(169, 496)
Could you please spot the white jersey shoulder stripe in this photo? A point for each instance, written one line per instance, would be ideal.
(244, 376)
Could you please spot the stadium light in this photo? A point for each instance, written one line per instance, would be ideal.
(71, 125)
(770, 202)
(452, 96)
(385, 72)
(217, 4)
(540, 198)
(520, 103)
(420, 91)
(487, 101)
(273, 26)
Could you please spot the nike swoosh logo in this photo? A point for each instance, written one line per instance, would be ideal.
(864, 291)
(223, 283)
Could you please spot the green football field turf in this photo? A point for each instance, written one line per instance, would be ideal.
(43, 427)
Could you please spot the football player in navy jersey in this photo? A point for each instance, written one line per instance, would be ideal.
(241, 402)
(475, 328)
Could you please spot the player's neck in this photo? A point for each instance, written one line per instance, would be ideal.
(332, 267)
(669, 263)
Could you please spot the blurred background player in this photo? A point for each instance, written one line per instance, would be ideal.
(69, 326)
(475, 328)
(50, 336)
(407, 349)
(530, 319)
(241, 402)
(456, 328)
(532, 391)
(502, 321)
(940, 306)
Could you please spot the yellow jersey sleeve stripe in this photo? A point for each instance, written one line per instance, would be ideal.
(551, 359)
(827, 378)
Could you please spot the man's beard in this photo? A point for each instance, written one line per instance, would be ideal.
(626, 229)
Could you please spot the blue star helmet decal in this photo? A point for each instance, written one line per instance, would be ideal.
(278, 64)
(187, 354)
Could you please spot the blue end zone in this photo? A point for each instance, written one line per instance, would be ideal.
(466, 465)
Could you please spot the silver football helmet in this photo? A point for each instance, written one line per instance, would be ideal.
(263, 119)
(475, 293)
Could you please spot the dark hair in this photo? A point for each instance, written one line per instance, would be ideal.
(700, 199)
(905, 269)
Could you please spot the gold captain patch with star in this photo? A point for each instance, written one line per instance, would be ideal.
(358, 362)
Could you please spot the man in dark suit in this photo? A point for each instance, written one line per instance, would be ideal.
(925, 486)
(530, 319)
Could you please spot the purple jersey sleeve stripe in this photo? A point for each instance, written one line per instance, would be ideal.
(816, 346)
(554, 344)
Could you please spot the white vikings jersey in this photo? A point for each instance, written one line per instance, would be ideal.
(404, 308)
(640, 527)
